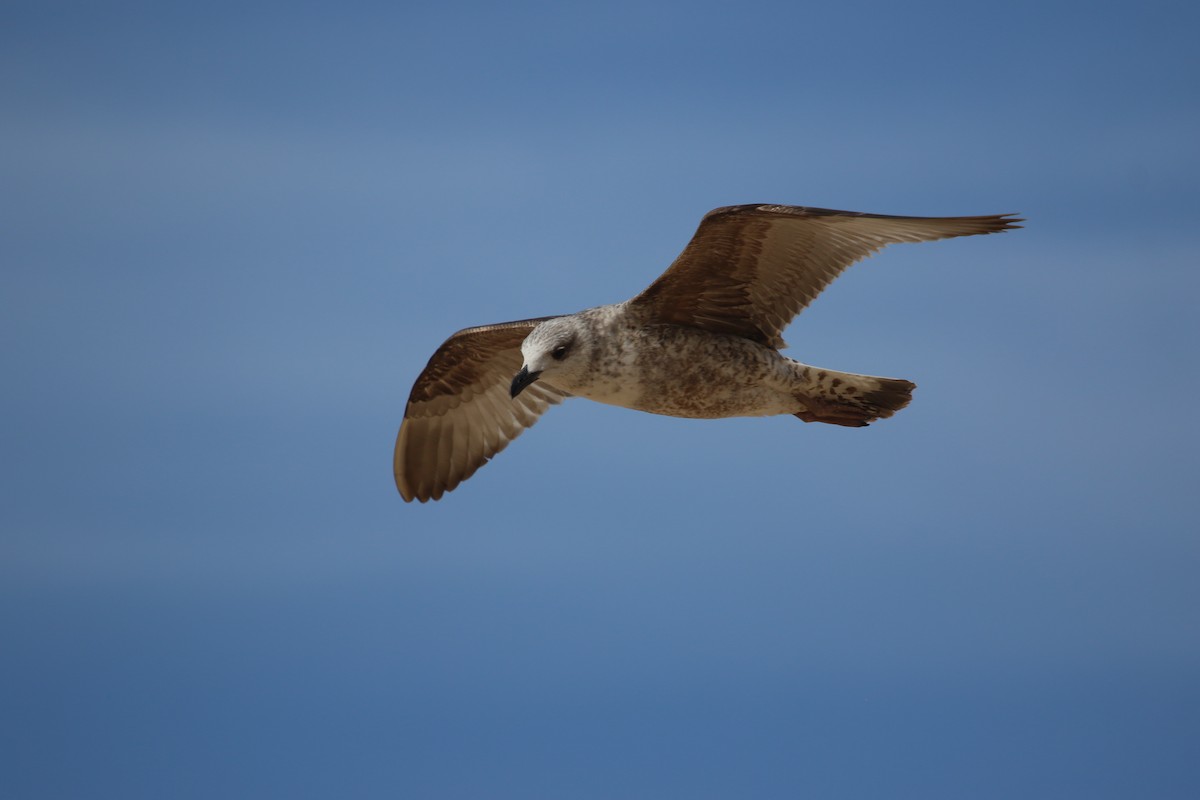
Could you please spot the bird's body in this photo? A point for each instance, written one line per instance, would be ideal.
(701, 342)
(667, 369)
(660, 368)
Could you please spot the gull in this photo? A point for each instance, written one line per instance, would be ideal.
(702, 342)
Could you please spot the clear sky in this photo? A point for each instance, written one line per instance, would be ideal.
(232, 234)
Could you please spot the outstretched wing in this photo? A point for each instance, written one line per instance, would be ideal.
(460, 414)
(749, 270)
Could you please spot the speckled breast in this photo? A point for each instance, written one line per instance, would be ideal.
(685, 372)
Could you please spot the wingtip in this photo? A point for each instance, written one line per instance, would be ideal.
(1004, 221)
(407, 494)
(398, 472)
(991, 223)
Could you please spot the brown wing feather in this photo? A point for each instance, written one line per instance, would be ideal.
(749, 270)
(459, 413)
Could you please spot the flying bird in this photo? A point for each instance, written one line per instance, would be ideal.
(702, 342)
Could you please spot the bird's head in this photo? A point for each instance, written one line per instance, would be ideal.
(555, 351)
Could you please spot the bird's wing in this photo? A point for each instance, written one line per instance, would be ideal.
(749, 270)
(460, 414)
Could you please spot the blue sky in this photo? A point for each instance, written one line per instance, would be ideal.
(234, 233)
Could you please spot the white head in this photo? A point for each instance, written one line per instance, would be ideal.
(557, 350)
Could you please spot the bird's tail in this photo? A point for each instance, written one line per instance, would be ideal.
(844, 398)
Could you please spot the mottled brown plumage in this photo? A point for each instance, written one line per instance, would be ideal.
(749, 270)
(459, 413)
(701, 341)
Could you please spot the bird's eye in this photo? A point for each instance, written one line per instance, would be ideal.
(559, 353)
